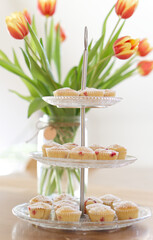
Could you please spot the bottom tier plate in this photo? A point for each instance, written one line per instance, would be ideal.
(21, 211)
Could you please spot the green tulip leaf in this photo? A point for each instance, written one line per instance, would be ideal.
(27, 98)
(50, 42)
(16, 61)
(4, 57)
(57, 53)
(35, 105)
(26, 59)
(104, 27)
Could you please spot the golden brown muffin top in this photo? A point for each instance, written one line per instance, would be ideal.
(41, 198)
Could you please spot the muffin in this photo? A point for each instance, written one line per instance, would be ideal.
(88, 207)
(39, 210)
(83, 153)
(109, 93)
(41, 198)
(96, 146)
(126, 210)
(102, 154)
(101, 214)
(91, 92)
(64, 196)
(62, 203)
(70, 145)
(109, 199)
(120, 149)
(65, 92)
(68, 214)
(48, 145)
(91, 200)
(57, 152)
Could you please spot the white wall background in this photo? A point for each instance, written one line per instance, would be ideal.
(129, 123)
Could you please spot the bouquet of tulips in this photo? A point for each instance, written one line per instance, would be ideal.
(41, 54)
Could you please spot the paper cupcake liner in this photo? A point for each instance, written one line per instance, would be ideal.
(85, 156)
(105, 155)
(68, 216)
(122, 155)
(127, 214)
(57, 153)
(92, 93)
(101, 217)
(109, 93)
(40, 213)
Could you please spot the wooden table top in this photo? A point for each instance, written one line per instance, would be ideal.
(131, 184)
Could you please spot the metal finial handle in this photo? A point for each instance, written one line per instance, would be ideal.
(85, 59)
(86, 38)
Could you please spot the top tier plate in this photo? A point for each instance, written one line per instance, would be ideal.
(82, 101)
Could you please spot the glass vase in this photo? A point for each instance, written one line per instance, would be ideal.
(57, 179)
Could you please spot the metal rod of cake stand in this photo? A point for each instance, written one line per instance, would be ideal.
(82, 112)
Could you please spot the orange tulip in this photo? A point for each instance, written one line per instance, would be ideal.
(144, 48)
(145, 67)
(125, 47)
(125, 8)
(27, 16)
(47, 7)
(17, 25)
(62, 33)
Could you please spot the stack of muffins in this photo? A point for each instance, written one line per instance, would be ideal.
(88, 92)
(93, 152)
(109, 207)
(64, 207)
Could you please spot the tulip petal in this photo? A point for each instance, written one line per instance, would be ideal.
(125, 54)
(144, 48)
(17, 25)
(125, 47)
(125, 8)
(134, 43)
(145, 67)
(27, 16)
(47, 7)
(122, 40)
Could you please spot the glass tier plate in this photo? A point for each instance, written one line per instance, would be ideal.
(21, 211)
(77, 163)
(81, 101)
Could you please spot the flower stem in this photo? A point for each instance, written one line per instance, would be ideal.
(58, 179)
(43, 178)
(77, 175)
(101, 61)
(90, 83)
(49, 181)
(70, 181)
(113, 32)
(32, 50)
(46, 29)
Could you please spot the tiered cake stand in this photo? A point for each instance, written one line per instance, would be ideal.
(85, 224)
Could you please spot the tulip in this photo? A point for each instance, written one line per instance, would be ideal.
(27, 16)
(145, 67)
(62, 33)
(17, 25)
(47, 7)
(125, 8)
(144, 48)
(125, 47)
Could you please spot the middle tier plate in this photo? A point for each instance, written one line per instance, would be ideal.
(77, 163)
(81, 101)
